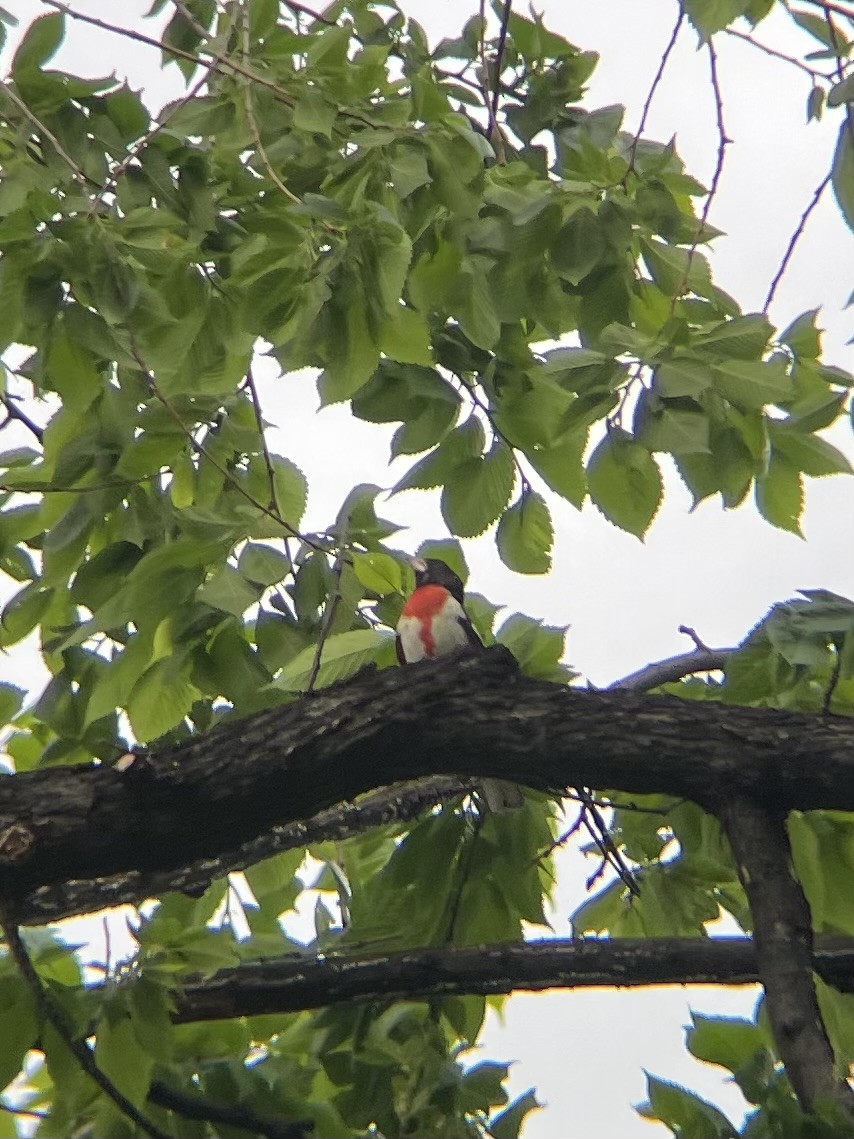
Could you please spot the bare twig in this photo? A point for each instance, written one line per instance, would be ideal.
(54, 1015)
(775, 54)
(14, 412)
(328, 616)
(200, 449)
(794, 239)
(659, 75)
(723, 142)
(78, 174)
(259, 420)
(249, 108)
(673, 669)
(829, 6)
(301, 8)
(140, 145)
(216, 63)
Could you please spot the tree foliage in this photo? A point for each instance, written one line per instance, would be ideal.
(451, 241)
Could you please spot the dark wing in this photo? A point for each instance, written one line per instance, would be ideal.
(398, 649)
(471, 636)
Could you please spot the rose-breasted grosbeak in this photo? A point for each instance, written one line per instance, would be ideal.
(433, 624)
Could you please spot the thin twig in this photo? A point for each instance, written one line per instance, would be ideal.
(201, 450)
(216, 63)
(723, 142)
(78, 174)
(140, 145)
(499, 55)
(775, 54)
(795, 238)
(259, 420)
(659, 75)
(328, 617)
(14, 412)
(249, 108)
(236, 1115)
(829, 6)
(301, 8)
(51, 1012)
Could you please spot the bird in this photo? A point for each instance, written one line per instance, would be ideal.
(434, 624)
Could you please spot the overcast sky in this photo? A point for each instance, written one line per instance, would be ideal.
(718, 572)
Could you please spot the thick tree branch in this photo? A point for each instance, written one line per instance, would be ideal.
(390, 805)
(470, 717)
(278, 985)
(782, 932)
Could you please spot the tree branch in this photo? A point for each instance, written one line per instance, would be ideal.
(277, 986)
(390, 805)
(476, 716)
(782, 933)
(673, 669)
(53, 1014)
(231, 1115)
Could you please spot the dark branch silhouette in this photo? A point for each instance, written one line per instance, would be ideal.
(472, 717)
(283, 985)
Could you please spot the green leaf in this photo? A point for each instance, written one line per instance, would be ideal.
(578, 246)
(841, 93)
(405, 337)
(261, 564)
(682, 377)
(291, 488)
(312, 113)
(842, 171)
(710, 16)
(343, 654)
(727, 1041)
(742, 338)
(19, 1026)
(508, 1123)
(753, 384)
(449, 551)
(475, 305)
(562, 466)
(684, 1112)
(380, 573)
(809, 453)
(674, 269)
(121, 1057)
(230, 591)
(780, 495)
(537, 647)
(11, 701)
(802, 336)
(525, 535)
(160, 700)
(625, 482)
(478, 490)
(41, 41)
(23, 612)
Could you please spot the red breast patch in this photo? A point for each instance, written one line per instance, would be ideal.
(424, 604)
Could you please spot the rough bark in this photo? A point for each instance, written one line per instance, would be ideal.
(782, 934)
(469, 717)
(286, 985)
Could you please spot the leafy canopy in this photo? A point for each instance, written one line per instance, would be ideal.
(523, 291)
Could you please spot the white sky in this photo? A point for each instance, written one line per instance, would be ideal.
(718, 572)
